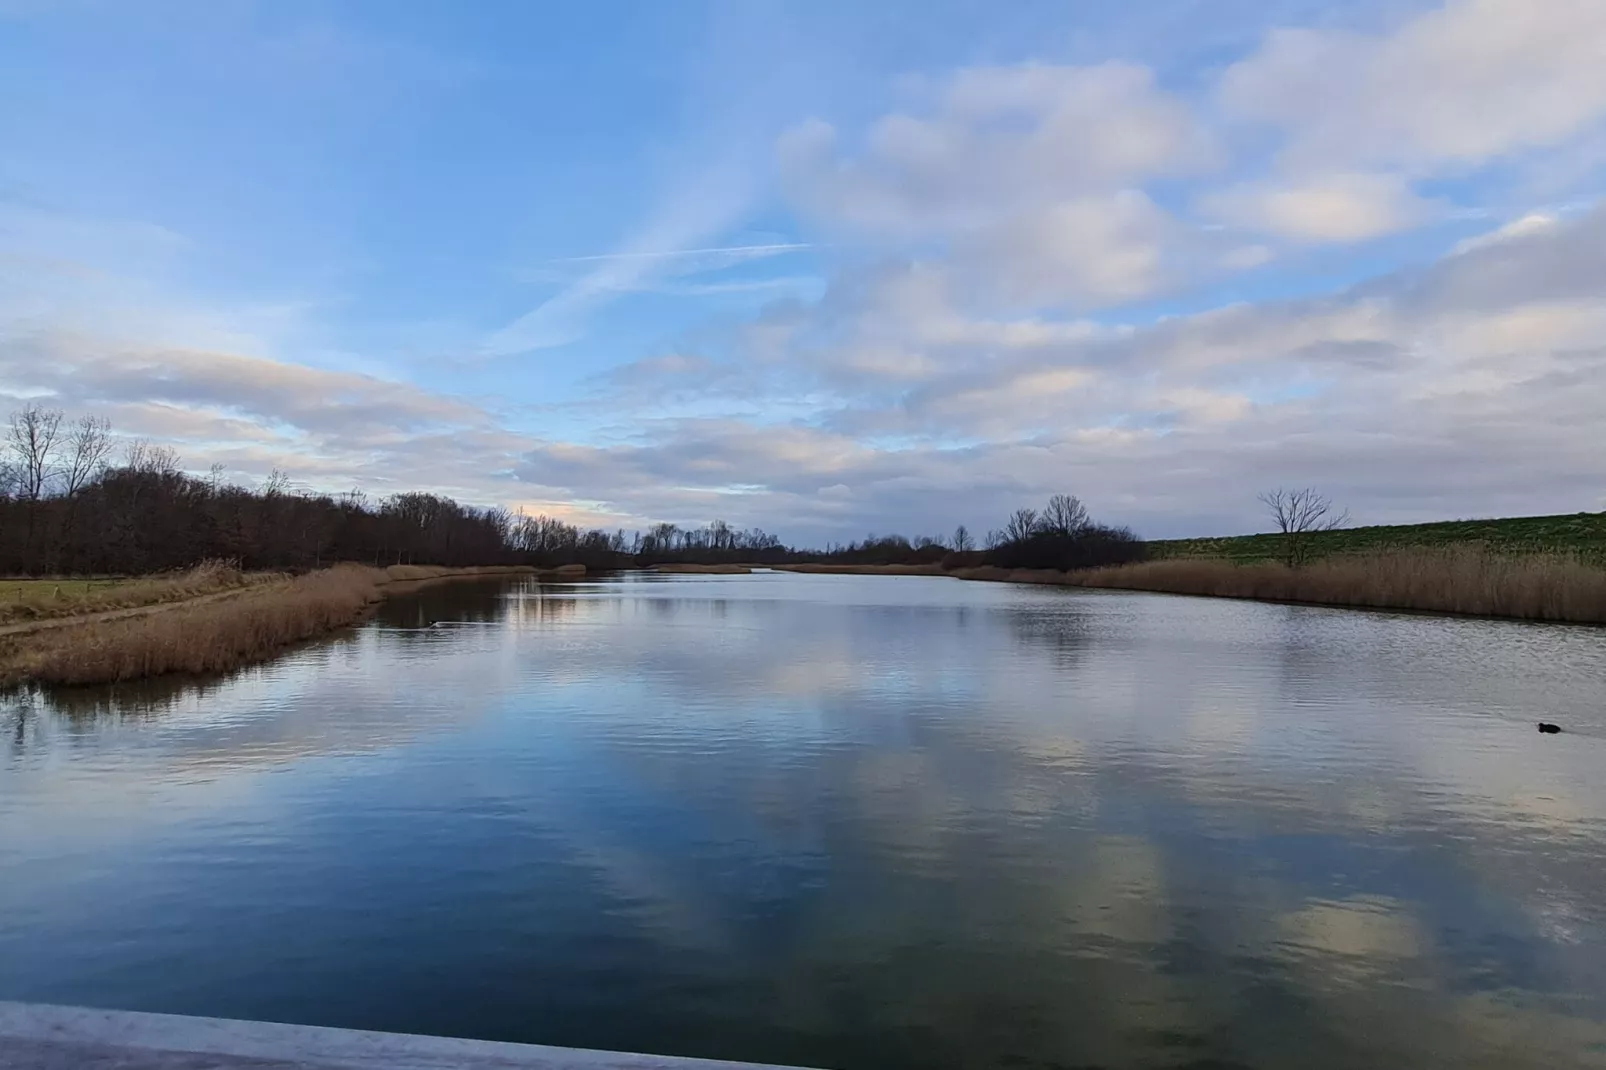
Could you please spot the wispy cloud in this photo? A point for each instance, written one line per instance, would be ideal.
(675, 264)
(697, 209)
(733, 254)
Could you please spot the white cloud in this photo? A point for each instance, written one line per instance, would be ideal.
(1455, 87)
(1525, 226)
(1091, 251)
(1328, 208)
(1000, 139)
(1444, 392)
(1031, 175)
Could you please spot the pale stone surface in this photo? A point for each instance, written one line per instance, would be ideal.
(40, 1037)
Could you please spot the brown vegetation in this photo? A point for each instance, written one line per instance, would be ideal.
(216, 635)
(867, 570)
(1467, 580)
(713, 570)
(42, 600)
(1462, 580)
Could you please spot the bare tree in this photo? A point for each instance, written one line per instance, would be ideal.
(89, 444)
(31, 438)
(142, 457)
(1021, 526)
(1300, 515)
(1064, 515)
(963, 543)
(32, 441)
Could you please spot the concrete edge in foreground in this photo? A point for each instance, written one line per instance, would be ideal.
(37, 1036)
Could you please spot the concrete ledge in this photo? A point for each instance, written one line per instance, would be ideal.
(40, 1037)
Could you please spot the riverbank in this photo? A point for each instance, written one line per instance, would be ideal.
(1465, 581)
(217, 632)
(1581, 535)
(703, 570)
(25, 600)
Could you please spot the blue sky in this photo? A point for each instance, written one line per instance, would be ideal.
(825, 268)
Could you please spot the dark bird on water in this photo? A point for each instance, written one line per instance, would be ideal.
(1545, 726)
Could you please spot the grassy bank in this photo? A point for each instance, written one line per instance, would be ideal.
(215, 635)
(867, 570)
(1580, 534)
(703, 570)
(34, 599)
(1465, 580)
(1462, 580)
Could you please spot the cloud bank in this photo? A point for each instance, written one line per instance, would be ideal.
(1163, 291)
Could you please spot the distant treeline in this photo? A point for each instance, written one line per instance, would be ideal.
(72, 503)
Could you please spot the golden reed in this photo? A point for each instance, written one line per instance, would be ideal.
(214, 636)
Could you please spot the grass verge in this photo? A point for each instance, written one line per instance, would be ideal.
(705, 570)
(1579, 534)
(1466, 580)
(27, 600)
(213, 636)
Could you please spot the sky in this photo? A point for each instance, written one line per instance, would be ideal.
(826, 268)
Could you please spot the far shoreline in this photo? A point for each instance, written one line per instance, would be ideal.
(1461, 582)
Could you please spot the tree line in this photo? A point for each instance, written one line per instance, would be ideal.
(1061, 536)
(74, 499)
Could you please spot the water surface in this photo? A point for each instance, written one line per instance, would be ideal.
(848, 822)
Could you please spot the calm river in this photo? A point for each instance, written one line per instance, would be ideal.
(846, 822)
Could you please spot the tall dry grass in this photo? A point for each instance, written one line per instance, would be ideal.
(420, 573)
(213, 636)
(205, 638)
(864, 570)
(1468, 580)
(209, 577)
(709, 570)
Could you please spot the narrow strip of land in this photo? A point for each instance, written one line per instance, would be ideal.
(213, 632)
(1465, 581)
(74, 620)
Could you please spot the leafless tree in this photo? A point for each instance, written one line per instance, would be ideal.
(277, 484)
(1021, 526)
(89, 444)
(142, 457)
(963, 543)
(1064, 515)
(1300, 515)
(32, 440)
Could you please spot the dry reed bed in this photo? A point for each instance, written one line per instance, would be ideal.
(214, 636)
(209, 577)
(1464, 580)
(868, 570)
(1468, 580)
(708, 570)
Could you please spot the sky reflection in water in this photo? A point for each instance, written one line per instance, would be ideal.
(845, 822)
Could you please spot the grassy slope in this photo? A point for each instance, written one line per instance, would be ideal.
(1580, 533)
(207, 636)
